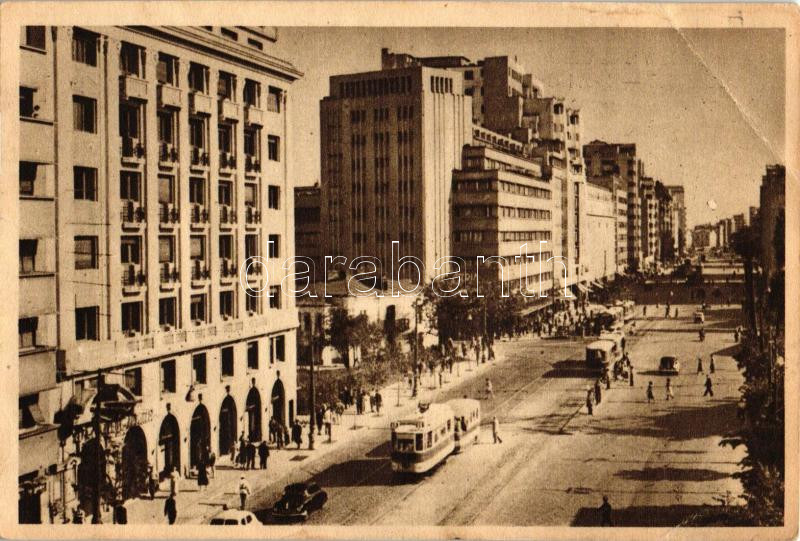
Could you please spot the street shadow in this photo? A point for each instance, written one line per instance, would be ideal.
(381, 451)
(729, 351)
(679, 424)
(569, 369)
(652, 516)
(351, 473)
(672, 474)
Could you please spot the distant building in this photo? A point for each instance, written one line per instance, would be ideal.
(679, 230)
(619, 190)
(308, 227)
(650, 229)
(704, 237)
(601, 228)
(771, 219)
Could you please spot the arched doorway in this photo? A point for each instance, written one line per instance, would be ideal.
(169, 445)
(254, 415)
(199, 436)
(227, 425)
(279, 403)
(134, 463)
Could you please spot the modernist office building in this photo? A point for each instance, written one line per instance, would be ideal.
(152, 164)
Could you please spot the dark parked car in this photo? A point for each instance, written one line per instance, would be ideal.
(298, 500)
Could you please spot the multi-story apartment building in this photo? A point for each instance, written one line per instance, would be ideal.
(619, 191)
(704, 236)
(390, 140)
(664, 225)
(739, 221)
(678, 195)
(649, 216)
(307, 227)
(503, 206)
(601, 226)
(613, 158)
(152, 165)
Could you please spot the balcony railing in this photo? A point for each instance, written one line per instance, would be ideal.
(133, 88)
(227, 215)
(200, 104)
(132, 148)
(200, 271)
(167, 153)
(228, 110)
(199, 156)
(252, 216)
(132, 213)
(227, 160)
(169, 273)
(169, 96)
(253, 115)
(168, 214)
(133, 277)
(228, 268)
(199, 214)
(251, 163)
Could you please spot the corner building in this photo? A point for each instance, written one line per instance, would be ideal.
(153, 163)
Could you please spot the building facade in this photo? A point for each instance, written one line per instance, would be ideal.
(771, 219)
(679, 231)
(307, 226)
(619, 191)
(153, 161)
(601, 226)
(390, 140)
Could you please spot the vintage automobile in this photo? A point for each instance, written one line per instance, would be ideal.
(699, 317)
(669, 365)
(235, 517)
(298, 500)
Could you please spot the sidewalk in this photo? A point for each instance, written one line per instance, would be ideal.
(195, 507)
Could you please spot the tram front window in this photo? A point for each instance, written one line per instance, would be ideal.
(419, 442)
(404, 445)
(430, 439)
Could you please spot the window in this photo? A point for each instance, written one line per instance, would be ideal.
(27, 255)
(27, 332)
(85, 252)
(168, 376)
(273, 246)
(250, 246)
(131, 317)
(130, 250)
(224, 193)
(198, 78)
(166, 127)
(199, 368)
(250, 199)
(198, 308)
(275, 297)
(197, 248)
(35, 37)
(274, 197)
(133, 380)
(27, 177)
(84, 180)
(273, 147)
(84, 113)
(27, 108)
(130, 60)
(226, 303)
(252, 93)
(252, 355)
(228, 33)
(225, 132)
(129, 121)
(129, 184)
(197, 191)
(84, 47)
(255, 43)
(86, 322)
(226, 246)
(166, 249)
(251, 138)
(251, 301)
(278, 348)
(226, 367)
(167, 312)
(469, 75)
(29, 413)
(226, 86)
(197, 132)
(167, 69)
(166, 189)
(274, 99)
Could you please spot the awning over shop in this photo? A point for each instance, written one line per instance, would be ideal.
(117, 401)
(538, 304)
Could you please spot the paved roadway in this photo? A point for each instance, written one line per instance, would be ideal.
(656, 462)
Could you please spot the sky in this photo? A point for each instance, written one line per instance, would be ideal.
(704, 107)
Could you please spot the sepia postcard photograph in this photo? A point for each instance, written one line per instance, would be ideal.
(401, 270)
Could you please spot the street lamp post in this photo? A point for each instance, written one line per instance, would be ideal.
(417, 373)
(312, 410)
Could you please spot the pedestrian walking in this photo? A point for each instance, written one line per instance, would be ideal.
(174, 481)
(496, 430)
(170, 509)
(736, 335)
(152, 482)
(605, 513)
(607, 376)
(699, 365)
(489, 389)
(297, 433)
(263, 454)
(372, 402)
(212, 463)
(597, 392)
(711, 367)
(644, 311)
(378, 401)
(202, 476)
(650, 396)
(670, 395)
(319, 421)
(589, 403)
(251, 455)
(441, 369)
(709, 387)
(630, 375)
(328, 424)
(244, 491)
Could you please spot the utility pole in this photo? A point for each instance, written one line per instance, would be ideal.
(312, 410)
(99, 462)
(416, 339)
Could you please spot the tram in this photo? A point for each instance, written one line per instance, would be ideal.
(467, 419)
(423, 440)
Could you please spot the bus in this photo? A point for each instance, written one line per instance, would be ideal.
(602, 354)
(467, 419)
(421, 441)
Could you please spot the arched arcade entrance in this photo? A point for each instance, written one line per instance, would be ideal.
(253, 409)
(134, 463)
(199, 436)
(169, 445)
(227, 425)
